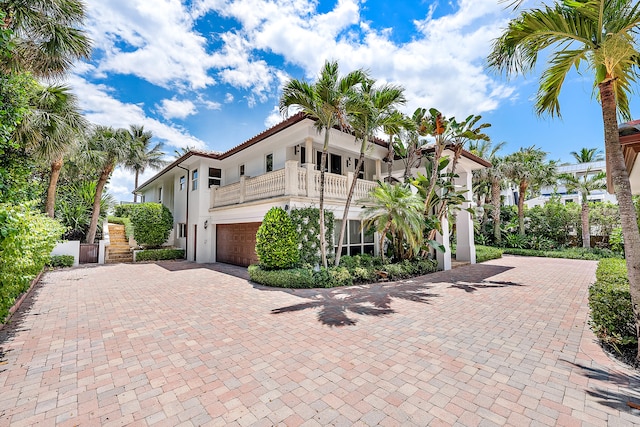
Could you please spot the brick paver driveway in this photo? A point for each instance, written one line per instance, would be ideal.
(498, 343)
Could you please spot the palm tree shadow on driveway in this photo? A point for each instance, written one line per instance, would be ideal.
(375, 299)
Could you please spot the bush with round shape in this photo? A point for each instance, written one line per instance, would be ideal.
(277, 241)
(152, 223)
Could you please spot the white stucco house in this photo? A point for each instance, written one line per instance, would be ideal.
(218, 199)
(630, 142)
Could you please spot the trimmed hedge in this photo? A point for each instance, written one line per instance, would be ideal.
(26, 240)
(159, 254)
(571, 253)
(612, 317)
(152, 223)
(277, 241)
(486, 253)
(356, 269)
(60, 261)
(128, 226)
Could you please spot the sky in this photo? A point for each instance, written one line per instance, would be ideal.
(208, 73)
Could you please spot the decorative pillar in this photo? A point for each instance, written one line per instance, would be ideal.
(379, 169)
(311, 180)
(243, 190)
(444, 259)
(291, 178)
(308, 149)
(465, 246)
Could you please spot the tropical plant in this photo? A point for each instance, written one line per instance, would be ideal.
(602, 35)
(489, 180)
(370, 108)
(584, 185)
(277, 241)
(52, 131)
(73, 207)
(587, 155)
(395, 213)
(143, 154)
(325, 102)
(529, 171)
(411, 141)
(105, 148)
(46, 36)
(152, 223)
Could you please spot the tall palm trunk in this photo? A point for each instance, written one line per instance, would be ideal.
(95, 214)
(390, 156)
(495, 214)
(135, 185)
(347, 205)
(586, 232)
(323, 163)
(522, 190)
(56, 167)
(622, 189)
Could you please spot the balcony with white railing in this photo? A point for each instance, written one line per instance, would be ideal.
(293, 180)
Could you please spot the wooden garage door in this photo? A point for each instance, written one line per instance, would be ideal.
(236, 243)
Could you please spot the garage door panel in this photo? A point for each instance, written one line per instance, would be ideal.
(236, 243)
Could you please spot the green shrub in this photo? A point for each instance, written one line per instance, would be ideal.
(570, 253)
(152, 223)
(277, 241)
(26, 240)
(159, 254)
(485, 253)
(289, 278)
(612, 317)
(124, 211)
(128, 226)
(515, 241)
(60, 261)
(307, 225)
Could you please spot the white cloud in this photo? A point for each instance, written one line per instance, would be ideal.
(273, 118)
(101, 107)
(176, 109)
(228, 98)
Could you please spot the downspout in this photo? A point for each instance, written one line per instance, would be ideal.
(186, 246)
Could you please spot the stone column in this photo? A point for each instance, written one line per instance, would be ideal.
(308, 147)
(242, 188)
(291, 178)
(444, 259)
(465, 247)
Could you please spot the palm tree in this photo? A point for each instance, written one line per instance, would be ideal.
(395, 210)
(143, 155)
(394, 125)
(370, 109)
(493, 177)
(527, 169)
(588, 155)
(585, 184)
(52, 131)
(46, 35)
(106, 148)
(324, 101)
(602, 35)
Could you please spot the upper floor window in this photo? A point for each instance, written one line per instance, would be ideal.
(194, 179)
(361, 173)
(215, 176)
(160, 195)
(182, 182)
(269, 162)
(241, 170)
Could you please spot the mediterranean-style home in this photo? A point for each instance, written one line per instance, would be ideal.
(218, 199)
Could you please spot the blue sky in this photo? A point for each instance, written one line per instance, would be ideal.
(208, 73)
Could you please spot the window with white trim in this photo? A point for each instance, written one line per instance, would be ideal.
(356, 240)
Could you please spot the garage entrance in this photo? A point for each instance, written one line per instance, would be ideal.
(236, 243)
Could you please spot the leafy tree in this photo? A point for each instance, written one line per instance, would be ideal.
(74, 206)
(325, 102)
(587, 155)
(584, 185)
(490, 179)
(370, 108)
(52, 131)
(395, 213)
(411, 141)
(528, 170)
(143, 155)
(602, 35)
(277, 241)
(152, 223)
(106, 148)
(46, 36)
